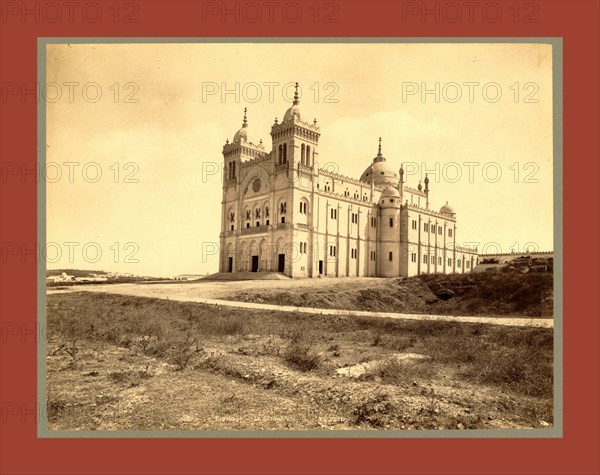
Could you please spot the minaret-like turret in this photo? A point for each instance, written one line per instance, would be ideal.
(401, 181)
(295, 141)
(426, 191)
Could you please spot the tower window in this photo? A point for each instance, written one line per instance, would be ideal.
(391, 257)
(391, 222)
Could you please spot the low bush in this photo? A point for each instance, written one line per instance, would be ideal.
(301, 357)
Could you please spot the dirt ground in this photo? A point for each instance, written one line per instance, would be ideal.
(122, 362)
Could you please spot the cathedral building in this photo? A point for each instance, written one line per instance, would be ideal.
(282, 213)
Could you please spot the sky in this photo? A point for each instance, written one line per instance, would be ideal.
(135, 131)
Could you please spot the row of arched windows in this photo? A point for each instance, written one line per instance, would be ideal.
(305, 155)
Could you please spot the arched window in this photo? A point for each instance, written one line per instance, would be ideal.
(280, 157)
(302, 156)
(284, 153)
(308, 157)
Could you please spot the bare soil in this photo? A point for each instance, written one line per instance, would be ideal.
(122, 362)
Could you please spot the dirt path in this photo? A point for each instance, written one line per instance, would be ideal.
(209, 293)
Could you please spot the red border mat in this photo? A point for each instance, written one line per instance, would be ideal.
(577, 22)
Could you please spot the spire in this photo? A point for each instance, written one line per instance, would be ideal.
(426, 183)
(245, 122)
(296, 101)
(379, 151)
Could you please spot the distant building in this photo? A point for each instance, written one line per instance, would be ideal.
(282, 213)
(60, 278)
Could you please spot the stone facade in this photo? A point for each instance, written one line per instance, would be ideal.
(282, 213)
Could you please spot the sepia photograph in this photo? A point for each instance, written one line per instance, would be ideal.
(300, 237)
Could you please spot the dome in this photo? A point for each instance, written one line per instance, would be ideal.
(293, 111)
(447, 209)
(379, 171)
(390, 191)
(242, 134)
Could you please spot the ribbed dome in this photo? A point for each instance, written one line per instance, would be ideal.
(292, 112)
(241, 136)
(447, 209)
(379, 172)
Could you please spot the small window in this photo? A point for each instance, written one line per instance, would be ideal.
(439, 230)
(391, 256)
(449, 232)
(232, 227)
(282, 219)
(439, 261)
(449, 262)
(424, 258)
(414, 224)
(391, 222)
(247, 225)
(426, 227)
(413, 257)
(257, 224)
(267, 222)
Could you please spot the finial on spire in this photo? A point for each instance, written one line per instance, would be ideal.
(379, 152)
(245, 123)
(276, 121)
(315, 121)
(296, 101)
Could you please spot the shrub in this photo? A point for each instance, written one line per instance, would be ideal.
(301, 357)
(374, 411)
(394, 371)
